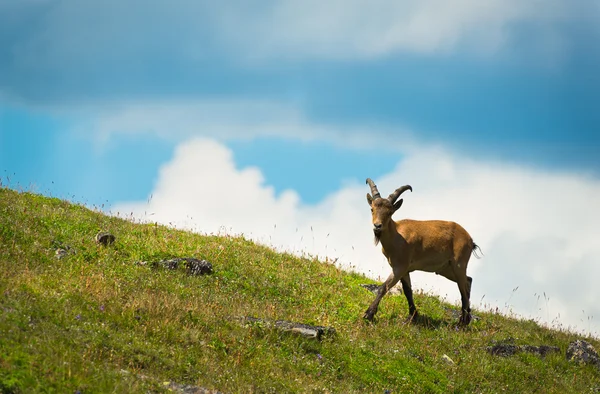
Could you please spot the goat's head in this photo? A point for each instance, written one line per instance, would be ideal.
(382, 209)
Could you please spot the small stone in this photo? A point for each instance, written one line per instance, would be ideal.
(448, 360)
(187, 389)
(305, 330)
(104, 238)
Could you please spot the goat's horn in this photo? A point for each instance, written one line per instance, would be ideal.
(394, 196)
(374, 190)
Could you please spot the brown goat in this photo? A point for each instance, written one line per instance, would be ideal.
(411, 245)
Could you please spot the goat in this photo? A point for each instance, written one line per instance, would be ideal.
(412, 245)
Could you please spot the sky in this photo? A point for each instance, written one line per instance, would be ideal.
(264, 118)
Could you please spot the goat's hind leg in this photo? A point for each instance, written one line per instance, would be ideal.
(464, 285)
(407, 289)
(470, 281)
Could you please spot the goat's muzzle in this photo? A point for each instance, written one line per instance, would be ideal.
(377, 229)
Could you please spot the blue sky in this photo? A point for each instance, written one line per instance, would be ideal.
(300, 101)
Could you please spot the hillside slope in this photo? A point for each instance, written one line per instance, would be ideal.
(98, 320)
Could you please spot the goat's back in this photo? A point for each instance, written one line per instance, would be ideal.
(436, 238)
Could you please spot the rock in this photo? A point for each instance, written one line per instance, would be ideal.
(541, 350)
(104, 238)
(508, 349)
(192, 265)
(174, 387)
(305, 330)
(60, 253)
(61, 250)
(583, 352)
(374, 288)
(188, 389)
(170, 264)
(448, 360)
(198, 267)
(503, 349)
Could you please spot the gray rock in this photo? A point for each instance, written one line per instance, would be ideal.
(583, 352)
(508, 349)
(60, 253)
(503, 349)
(192, 265)
(188, 389)
(198, 267)
(305, 330)
(104, 238)
(174, 387)
(62, 250)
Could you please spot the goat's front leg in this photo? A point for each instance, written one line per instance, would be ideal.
(384, 288)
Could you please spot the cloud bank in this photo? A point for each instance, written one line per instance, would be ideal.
(113, 47)
(538, 230)
(298, 28)
(367, 29)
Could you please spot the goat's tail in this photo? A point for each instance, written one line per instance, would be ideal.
(475, 249)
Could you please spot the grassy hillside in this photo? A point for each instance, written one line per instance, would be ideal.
(95, 321)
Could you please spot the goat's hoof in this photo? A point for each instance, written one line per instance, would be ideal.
(465, 320)
(368, 316)
(412, 317)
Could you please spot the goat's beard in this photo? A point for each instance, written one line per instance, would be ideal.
(376, 239)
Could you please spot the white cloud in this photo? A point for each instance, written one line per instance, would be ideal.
(537, 229)
(202, 189)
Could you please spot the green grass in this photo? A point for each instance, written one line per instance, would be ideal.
(97, 322)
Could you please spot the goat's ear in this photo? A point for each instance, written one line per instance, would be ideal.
(398, 204)
(369, 199)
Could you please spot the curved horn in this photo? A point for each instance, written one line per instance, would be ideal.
(394, 196)
(374, 190)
